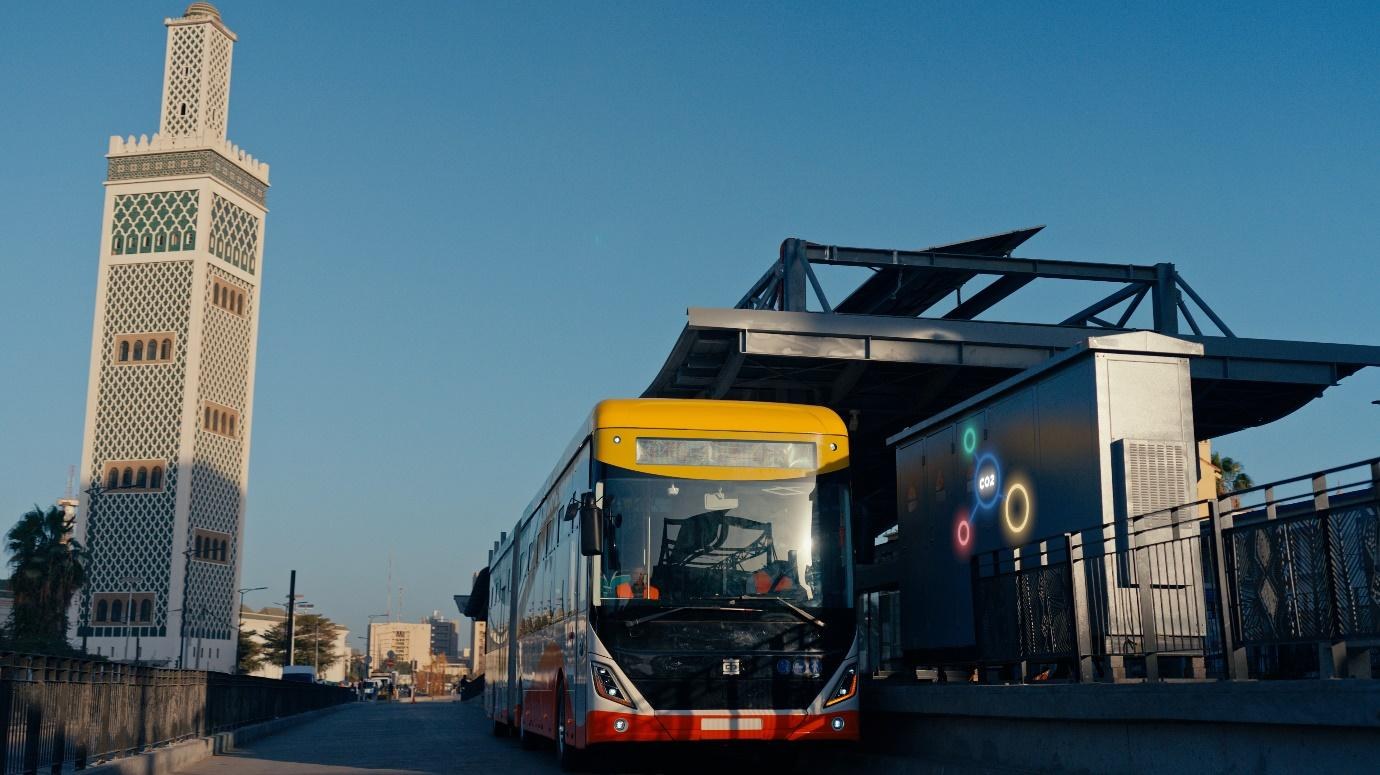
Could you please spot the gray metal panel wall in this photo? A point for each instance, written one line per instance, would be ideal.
(1049, 443)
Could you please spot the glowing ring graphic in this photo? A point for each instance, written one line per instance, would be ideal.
(969, 440)
(1006, 507)
(996, 486)
(965, 533)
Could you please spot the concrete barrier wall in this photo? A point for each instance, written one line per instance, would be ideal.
(165, 761)
(1277, 727)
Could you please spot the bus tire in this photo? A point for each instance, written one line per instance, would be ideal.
(570, 758)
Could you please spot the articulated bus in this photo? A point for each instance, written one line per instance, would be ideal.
(684, 574)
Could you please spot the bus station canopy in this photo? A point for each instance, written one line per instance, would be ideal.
(888, 355)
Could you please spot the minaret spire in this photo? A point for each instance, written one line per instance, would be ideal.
(196, 76)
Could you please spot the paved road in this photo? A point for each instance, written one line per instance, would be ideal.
(452, 737)
(384, 739)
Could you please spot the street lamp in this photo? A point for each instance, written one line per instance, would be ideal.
(200, 626)
(315, 638)
(129, 605)
(248, 589)
(239, 620)
(182, 612)
(368, 644)
(93, 494)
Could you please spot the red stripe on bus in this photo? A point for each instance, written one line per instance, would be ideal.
(599, 727)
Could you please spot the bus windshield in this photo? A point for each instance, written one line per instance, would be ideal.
(688, 542)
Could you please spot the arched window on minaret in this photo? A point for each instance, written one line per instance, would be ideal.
(165, 352)
(145, 610)
(197, 551)
(112, 478)
(141, 479)
(127, 479)
(102, 611)
(124, 351)
(156, 478)
(138, 350)
(239, 304)
(153, 349)
(215, 294)
(117, 610)
(116, 243)
(206, 422)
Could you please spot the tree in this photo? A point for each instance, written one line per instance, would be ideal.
(1231, 475)
(49, 567)
(314, 637)
(249, 653)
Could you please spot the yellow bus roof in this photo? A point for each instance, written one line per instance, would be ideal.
(714, 415)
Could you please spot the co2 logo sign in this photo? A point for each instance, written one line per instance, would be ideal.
(987, 482)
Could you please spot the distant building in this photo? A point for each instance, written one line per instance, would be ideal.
(408, 642)
(476, 650)
(445, 637)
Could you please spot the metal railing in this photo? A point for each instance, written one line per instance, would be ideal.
(1296, 569)
(60, 713)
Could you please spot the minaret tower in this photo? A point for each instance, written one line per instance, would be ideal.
(169, 408)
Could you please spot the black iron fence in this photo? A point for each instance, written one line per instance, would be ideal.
(1281, 580)
(60, 713)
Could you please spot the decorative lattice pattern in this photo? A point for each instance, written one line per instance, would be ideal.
(234, 234)
(182, 96)
(138, 416)
(159, 165)
(217, 83)
(217, 500)
(158, 222)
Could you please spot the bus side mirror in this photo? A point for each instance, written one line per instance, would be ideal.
(591, 526)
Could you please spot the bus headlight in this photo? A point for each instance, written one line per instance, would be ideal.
(845, 688)
(607, 686)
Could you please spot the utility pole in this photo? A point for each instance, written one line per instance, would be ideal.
(292, 603)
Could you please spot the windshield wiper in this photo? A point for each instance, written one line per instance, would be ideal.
(798, 611)
(668, 611)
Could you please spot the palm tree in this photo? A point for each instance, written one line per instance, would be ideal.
(49, 567)
(1231, 475)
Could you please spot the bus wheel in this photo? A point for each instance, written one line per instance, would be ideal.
(570, 758)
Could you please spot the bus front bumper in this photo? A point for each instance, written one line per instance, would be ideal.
(613, 727)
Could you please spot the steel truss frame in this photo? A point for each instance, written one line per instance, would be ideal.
(893, 288)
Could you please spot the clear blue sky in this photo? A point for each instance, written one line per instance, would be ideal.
(486, 217)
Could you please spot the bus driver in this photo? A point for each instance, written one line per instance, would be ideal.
(635, 586)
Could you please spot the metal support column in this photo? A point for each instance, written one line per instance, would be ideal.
(1165, 300)
(1082, 611)
(795, 277)
(1150, 642)
(292, 605)
(1332, 661)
